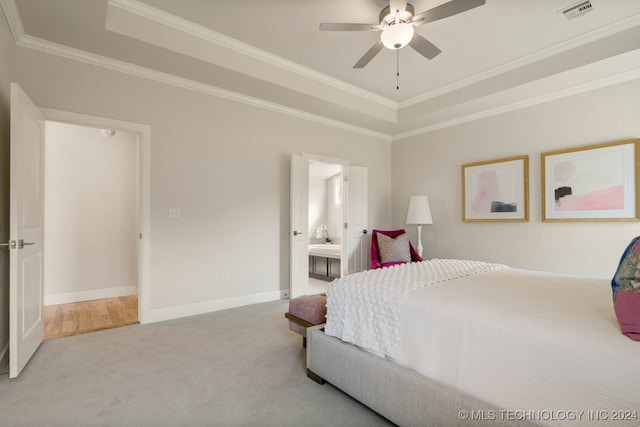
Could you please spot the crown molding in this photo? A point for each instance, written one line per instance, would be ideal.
(616, 27)
(208, 35)
(13, 19)
(146, 73)
(557, 94)
(67, 52)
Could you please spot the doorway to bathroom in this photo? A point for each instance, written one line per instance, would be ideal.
(328, 222)
(325, 224)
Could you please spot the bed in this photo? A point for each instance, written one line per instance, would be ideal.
(449, 342)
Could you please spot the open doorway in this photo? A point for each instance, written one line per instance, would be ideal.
(326, 216)
(91, 235)
(354, 217)
(26, 222)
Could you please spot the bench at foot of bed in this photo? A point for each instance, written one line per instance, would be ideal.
(306, 311)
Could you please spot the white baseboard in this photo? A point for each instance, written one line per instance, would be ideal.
(53, 299)
(4, 359)
(161, 314)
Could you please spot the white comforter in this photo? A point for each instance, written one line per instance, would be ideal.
(365, 307)
(545, 347)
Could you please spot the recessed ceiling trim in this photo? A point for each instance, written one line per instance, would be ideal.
(616, 27)
(138, 71)
(551, 96)
(183, 25)
(160, 77)
(185, 42)
(450, 118)
(13, 18)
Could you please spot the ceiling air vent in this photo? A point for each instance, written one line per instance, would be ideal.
(575, 10)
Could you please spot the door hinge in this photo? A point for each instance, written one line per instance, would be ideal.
(346, 226)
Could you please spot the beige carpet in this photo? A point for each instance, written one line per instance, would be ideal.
(239, 367)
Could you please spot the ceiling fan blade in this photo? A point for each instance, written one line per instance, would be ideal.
(367, 57)
(424, 47)
(445, 10)
(339, 26)
(394, 5)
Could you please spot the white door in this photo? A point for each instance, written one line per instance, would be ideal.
(356, 251)
(26, 324)
(299, 253)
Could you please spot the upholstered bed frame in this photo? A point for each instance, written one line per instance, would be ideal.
(399, 394)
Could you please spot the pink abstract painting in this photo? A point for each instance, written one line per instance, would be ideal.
(593, 183)
(607, 199)
(610, 198)
(488, 190)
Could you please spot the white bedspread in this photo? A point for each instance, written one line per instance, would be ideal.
(525, 340)
(544, 347)
(364, 308)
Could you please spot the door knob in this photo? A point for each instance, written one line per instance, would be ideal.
(295, 233)
(22, 243)
(364, 231)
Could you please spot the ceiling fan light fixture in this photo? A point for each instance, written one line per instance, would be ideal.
(397, 36)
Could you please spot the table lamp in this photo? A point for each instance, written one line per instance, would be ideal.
(419, 213)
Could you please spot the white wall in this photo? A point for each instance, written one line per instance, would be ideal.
(317, 205)
(430, 164)
(90, 214)
(322, 209)
(334, 213)
(224, 164)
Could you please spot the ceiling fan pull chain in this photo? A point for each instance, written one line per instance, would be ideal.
(397, 69)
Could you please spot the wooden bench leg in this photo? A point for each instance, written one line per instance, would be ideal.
(317, 378)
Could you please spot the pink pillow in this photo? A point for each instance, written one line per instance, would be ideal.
(626, 291)
(627, 308)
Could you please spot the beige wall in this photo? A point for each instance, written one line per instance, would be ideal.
(224, 164)
(430, 164)
(91, 214)
(7, 49)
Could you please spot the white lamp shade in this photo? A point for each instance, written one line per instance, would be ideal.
(419, 211)
(397, 36)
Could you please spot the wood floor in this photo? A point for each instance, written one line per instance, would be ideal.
(88, 316)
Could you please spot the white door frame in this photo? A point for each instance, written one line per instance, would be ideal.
(144, 185)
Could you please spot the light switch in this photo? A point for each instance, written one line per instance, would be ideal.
(174, 213)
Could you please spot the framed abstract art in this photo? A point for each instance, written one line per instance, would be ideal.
(594, 183)
(496, 190)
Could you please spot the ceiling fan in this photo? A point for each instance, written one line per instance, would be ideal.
(396, 23)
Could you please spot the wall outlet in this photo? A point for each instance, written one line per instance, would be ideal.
(225, 277)
(174, 213)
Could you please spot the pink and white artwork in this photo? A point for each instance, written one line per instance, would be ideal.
(590, 183)
(496, 190)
